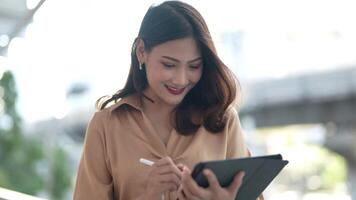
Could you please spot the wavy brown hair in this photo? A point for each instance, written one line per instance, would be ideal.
(208, 101)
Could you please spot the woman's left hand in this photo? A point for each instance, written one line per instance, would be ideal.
(190, 190)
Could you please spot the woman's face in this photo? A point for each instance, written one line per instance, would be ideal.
(173, 68)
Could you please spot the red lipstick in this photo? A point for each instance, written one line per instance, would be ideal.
(175, 91)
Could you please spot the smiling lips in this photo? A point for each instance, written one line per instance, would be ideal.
(175, 91)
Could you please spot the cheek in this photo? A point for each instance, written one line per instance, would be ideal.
(196, 76)
(152, 78)
(155, 76)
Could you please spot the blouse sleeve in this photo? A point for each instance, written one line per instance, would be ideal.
(236, 144)
(94, 180)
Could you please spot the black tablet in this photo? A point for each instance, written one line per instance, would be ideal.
(259, 172)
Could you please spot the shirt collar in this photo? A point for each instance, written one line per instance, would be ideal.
(133, 100)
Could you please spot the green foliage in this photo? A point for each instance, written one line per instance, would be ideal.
(312, 167)
(21, 157)
(328, 166)
(334, 171)
(18, 154)
(7, 83)
(18, 166)
(61, 178)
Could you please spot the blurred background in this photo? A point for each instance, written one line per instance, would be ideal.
(295, 59)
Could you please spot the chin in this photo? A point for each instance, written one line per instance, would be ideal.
(173, 101)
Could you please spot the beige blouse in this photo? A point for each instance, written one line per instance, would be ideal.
(118, 136)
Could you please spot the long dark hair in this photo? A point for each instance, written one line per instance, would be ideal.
(207, 103)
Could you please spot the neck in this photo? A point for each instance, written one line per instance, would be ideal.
(152, 105)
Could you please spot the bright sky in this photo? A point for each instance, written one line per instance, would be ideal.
(89, 41)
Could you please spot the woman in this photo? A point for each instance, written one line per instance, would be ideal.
(176, 110)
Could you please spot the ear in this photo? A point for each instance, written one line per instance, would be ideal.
(140, 51)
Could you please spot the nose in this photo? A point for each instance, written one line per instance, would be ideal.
(180, 77)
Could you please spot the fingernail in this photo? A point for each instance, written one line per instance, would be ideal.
(206, 171)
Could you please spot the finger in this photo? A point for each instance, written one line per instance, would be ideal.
(175, 167)
(180, 166)
(167, 178)
(167, 169)
(168, 161)
(164, 161)
(185, 185)
(168, 187)
(190, 187)
(187, 193)
(213, 181)
(236, 184)
(180, 193)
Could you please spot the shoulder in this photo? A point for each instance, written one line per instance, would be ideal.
(98, 118)
(114, 114)
(232, 115)
(116, 108)
(233, 124)
(101, 124)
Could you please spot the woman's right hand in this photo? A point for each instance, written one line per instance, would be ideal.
(163, 176)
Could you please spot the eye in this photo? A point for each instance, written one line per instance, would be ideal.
(168, 65)
(195, 66)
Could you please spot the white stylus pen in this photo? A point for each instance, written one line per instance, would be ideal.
(149, 163)
(146, 162)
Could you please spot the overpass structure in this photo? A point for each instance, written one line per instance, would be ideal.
(327, 98)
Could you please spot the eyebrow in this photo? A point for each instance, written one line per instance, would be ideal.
(176, 60)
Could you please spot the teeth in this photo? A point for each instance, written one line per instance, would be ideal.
(175, 89)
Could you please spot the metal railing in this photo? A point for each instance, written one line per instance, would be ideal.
(6, 194)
